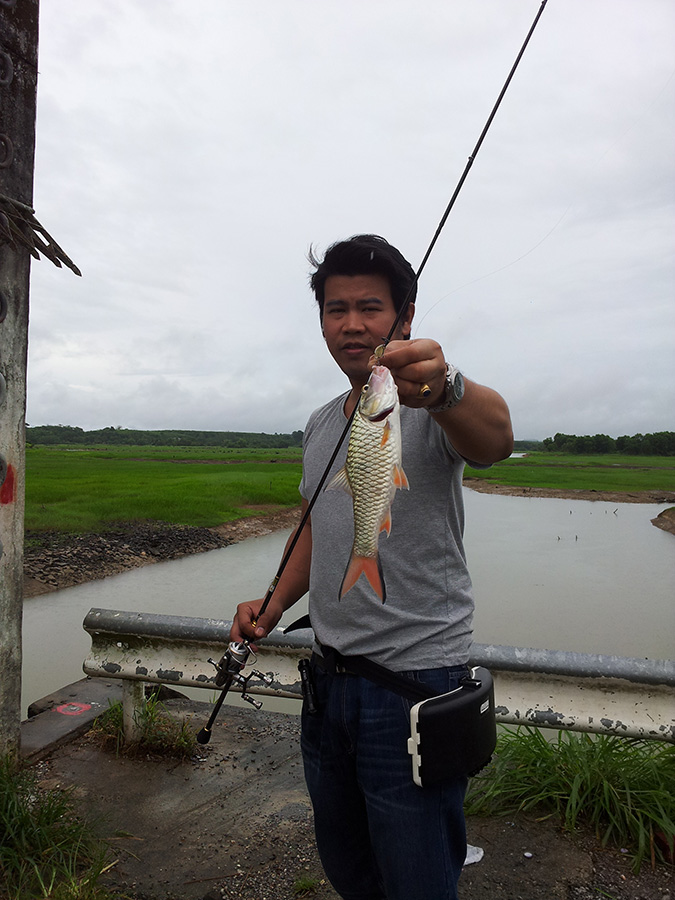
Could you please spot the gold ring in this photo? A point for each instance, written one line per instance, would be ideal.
(425, 390)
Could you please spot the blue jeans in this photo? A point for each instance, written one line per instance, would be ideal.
(379, 835)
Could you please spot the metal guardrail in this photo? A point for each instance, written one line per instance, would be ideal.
(547, 688)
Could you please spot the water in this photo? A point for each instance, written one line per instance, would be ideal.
(557, 574)
(576, 575)
(207, 584)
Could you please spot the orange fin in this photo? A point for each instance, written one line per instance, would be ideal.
(386, 524)
(386, 434)
(400, 478)
(368, 566)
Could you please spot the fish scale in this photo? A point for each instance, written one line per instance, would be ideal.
(369, 470)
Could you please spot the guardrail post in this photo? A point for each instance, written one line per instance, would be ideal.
(133, 699)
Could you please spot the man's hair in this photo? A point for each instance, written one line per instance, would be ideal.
(364, 254)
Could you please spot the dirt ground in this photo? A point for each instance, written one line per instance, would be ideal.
(666, 520)
(485, 487)
(235, 823)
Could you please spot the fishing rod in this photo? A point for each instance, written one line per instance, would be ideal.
(234, 659)
(406, 303)
(229, 667)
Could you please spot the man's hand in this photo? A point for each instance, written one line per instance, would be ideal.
(247, 626)
(478, 427)
(293, 584)
(415, 364)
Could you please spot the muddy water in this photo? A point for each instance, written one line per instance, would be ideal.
(557, 574)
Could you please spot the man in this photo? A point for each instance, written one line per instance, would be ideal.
(380, 836)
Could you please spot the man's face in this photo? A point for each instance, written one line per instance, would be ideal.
(357, 314)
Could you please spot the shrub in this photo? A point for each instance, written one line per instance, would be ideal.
(161, 734)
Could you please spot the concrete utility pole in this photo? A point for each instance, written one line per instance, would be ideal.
(21, 236)
(18, 87)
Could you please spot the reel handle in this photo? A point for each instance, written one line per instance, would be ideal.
(229, 669)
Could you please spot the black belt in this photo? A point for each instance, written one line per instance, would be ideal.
(333, 662)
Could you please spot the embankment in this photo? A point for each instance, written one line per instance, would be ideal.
(53, 560)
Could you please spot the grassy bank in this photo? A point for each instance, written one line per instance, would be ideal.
(82, 490)
(72, 489)
(566, 471)
(620, 788)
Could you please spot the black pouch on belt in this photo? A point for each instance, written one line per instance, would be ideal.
(455, 733)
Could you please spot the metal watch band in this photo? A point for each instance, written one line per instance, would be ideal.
(450, 399)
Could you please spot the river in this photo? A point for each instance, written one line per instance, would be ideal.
(591, 577)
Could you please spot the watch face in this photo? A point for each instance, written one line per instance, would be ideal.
(458, 386)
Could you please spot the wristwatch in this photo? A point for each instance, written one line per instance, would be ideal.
(454, 390)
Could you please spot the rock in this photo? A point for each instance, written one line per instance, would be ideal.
(54, 560)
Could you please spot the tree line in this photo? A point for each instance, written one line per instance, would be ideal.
(71, 434)
(661, 443)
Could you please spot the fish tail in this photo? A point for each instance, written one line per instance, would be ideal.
(369, 566)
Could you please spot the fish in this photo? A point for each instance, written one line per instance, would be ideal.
(371, 475)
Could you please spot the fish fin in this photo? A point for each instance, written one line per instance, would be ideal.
(386, 434)
(368, 566)
(386, 523)
(340, 482)
(400, 478)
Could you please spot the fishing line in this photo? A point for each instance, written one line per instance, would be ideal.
(628, 130)
(507, 265)
(402, 311)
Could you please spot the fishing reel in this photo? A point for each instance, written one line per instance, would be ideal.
(228, 672)
(232, 661)
(231, 665)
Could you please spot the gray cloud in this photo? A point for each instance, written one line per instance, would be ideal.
(188, 155)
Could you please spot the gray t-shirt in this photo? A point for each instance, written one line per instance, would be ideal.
(426, 621)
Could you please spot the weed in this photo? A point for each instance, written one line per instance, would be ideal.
(620, 787)
(46, 851)
(306, 885)
(160, 732)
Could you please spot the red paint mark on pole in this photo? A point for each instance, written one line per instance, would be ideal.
(8, 489)
(73, 709)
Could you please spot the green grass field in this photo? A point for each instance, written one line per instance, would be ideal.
(79, 490)
(604, 472)
(85, 490)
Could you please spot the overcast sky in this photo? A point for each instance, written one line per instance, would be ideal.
(188, 154)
